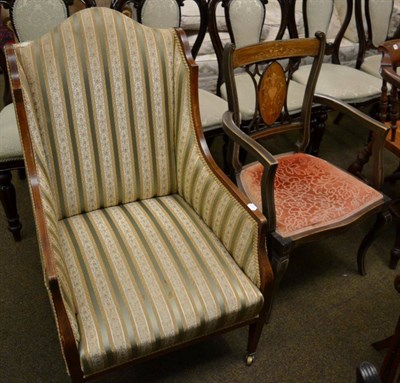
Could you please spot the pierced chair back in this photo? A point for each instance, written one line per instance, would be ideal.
(263, 63)
(244, 20)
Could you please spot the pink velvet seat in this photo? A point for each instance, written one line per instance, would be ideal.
(311, 194)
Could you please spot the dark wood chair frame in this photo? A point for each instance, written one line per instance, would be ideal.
(70, 351)
(279, 248)
(390, 111)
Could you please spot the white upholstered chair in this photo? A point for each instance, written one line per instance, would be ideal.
(342, 82)
(146, 245)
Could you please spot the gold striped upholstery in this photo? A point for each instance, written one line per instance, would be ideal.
(142, 283)
(93, 153)
(148, 243)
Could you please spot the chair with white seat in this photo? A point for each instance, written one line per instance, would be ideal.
(342, 82)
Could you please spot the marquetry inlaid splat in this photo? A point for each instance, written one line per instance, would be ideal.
(272, 93)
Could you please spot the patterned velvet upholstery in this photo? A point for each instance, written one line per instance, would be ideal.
(310, 194)
(151, 250)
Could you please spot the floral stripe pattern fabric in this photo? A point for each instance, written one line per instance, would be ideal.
(310, 193)
(142, 284)
(104, 122)
(201, 189)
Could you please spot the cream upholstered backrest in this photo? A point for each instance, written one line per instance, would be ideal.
(380, 13)
(103, 110)
(161, 14)
(246, 19)
(33, 18)
(319, 14)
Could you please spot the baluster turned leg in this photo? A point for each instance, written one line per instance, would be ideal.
(9, 202)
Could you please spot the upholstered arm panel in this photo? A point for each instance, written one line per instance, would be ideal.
(112, 141)
(199, 186)
(49, 211)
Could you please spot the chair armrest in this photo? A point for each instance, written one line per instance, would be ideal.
(262, 155)
(378, 129)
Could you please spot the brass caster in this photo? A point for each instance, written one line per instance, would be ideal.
(250, 359)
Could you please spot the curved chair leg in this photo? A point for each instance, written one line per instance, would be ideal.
(9, 202)
(382, 219)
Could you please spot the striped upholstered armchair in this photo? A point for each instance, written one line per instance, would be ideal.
(146, 246)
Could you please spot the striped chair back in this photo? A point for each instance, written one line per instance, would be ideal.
(103, 109)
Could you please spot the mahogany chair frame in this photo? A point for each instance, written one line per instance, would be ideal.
(279, 248)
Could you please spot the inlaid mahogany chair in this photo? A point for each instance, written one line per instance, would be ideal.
(167, 14)
(304, 198)
(342, 82)
(146, 244)
(30, 19)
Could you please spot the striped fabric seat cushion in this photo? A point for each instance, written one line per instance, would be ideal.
(141, 284)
